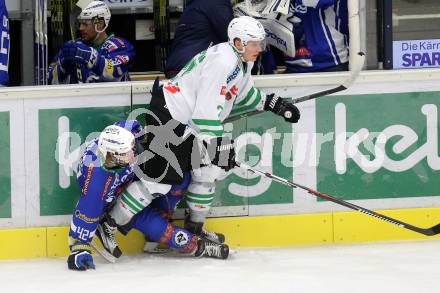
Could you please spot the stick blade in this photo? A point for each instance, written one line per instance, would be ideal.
(434, 230)
(356, 67)
(101, 251)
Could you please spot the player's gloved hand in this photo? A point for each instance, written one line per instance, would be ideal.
(281, 107)
(80, 260)
(221, 152)
(79, 52)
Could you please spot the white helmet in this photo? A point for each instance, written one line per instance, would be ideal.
(246, 29)
(119, 142)
(95, 11)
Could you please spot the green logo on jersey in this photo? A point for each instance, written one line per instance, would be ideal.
(196, 60)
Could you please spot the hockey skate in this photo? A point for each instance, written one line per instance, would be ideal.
(106, 234)
(213, 236)
(208, 248)
(197, 229)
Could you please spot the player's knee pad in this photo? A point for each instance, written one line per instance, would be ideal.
(135, 198)
(200, 195)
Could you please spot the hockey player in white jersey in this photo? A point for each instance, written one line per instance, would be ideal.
(216, 82)
(195, 102)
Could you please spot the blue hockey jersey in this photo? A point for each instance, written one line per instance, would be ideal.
(203, 23)
(99, 188)
(114, 58)
(4, 45)
(321, 35)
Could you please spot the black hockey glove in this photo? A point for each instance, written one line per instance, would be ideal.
(281, 107)
(221, 152)
(80, 260)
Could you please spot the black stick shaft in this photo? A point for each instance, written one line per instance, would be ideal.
(359, 62)
(425, 231)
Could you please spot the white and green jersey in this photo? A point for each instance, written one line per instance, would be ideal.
(214, 84)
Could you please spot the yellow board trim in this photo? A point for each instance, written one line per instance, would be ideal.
(23, 243)
(351, 227)
(263, 231)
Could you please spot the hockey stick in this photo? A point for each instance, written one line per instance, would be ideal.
(101, 251)
(425, 231)
(357, 67)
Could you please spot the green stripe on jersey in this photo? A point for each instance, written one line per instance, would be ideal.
(199, 195)
(252, 106)
(212, 132)
(207, 122)
(131, 201)
(248, 97)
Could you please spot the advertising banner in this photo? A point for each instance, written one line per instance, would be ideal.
(416, 53)
(5, 163)
(382, 146)
(374, 145)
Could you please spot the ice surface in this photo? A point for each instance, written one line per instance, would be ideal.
(400, 267)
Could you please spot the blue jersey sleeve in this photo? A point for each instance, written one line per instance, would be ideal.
(57, 74)
(318, 3)
(99, 188)
(4, 45)
(115, 57)
(90, 206)
(113, 63)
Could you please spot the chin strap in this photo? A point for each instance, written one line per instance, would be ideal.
(240, 53)
(97, 35)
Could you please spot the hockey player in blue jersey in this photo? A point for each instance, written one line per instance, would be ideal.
(105, 169)
(96, 57)
(312, 34)
(321, 36)
(104, 173)
(4, 52)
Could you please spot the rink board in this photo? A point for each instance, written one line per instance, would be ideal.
(375, 145)
(262, 231)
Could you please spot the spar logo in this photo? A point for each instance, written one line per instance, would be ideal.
(406, 144)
